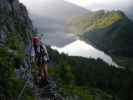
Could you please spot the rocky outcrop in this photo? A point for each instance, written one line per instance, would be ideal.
(15, 39)
(14, 19)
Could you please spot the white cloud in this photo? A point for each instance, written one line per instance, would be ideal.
(84, 2)
(103, 4)
(89, 4)
(39, 6)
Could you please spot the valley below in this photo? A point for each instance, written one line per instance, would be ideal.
(90, 52)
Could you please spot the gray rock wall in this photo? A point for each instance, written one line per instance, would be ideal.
(14, 19)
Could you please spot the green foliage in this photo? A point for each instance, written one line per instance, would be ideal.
(7, 79)
(80, 92)
(125, 62)
(109, 31)
(11, 57)
(18, 30)
(115, 82)
(63, 73)
(13, 42)
(96, 20)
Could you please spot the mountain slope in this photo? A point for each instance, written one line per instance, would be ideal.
(129, 12)
(15, 33)
(85, 78)
(53, 13)
(110, 31)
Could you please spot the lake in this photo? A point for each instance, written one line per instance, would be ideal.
(83, 49)
(71, 45)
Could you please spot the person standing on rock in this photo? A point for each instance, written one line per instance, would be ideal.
(40, 57)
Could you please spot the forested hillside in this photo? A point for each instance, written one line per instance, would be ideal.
(77, 78)
(89, 78)
(110, 31)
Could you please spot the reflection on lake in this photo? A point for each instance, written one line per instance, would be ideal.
(83, 49)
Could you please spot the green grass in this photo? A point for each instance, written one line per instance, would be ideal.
(95, 20)
(126, 62)
(10, 86)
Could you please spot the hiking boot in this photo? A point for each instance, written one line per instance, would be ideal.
(45, 82)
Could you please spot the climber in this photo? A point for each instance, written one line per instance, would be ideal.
(40, 57)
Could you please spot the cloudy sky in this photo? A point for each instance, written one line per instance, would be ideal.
(46, 15)
(91, 4)
(103, 4)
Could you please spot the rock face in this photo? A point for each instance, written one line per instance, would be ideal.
(15, 34)
(14, 19)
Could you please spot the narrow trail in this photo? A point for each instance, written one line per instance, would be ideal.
(46, 92)
(41, 91)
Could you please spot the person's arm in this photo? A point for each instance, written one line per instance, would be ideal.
(32, 55)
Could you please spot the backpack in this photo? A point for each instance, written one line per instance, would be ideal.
(41, 55)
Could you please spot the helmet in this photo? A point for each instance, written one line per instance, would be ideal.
(35, 40)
